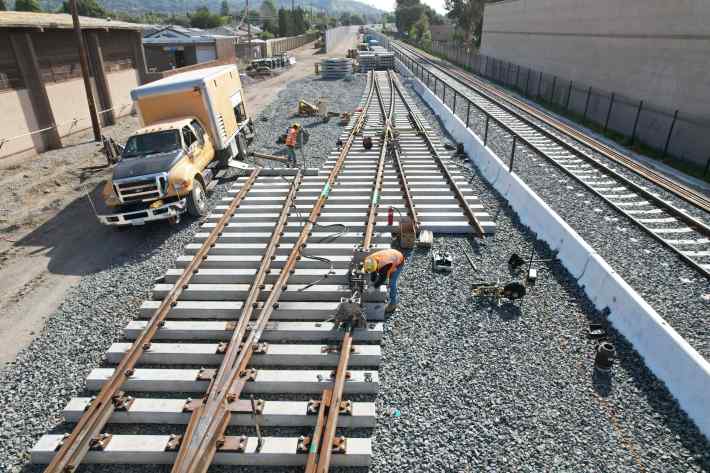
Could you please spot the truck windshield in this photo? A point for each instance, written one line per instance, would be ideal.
(152, 143)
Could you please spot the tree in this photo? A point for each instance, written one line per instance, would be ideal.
(407, 13)
(27, 5)
(421, 27)
(202, 18)
(269, 16)
(285, 23)
(86, 8)
(300, 25)
(468, 15)
(356, 20)
(178, 20)
(224, 8)
(3, 7)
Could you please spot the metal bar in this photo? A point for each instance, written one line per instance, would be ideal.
(75, 447)
(670, 134)
(198, 446)
(517, 75)
(468, 112)
(485, 132)
(443, 97)
(569, 94)
(636, 122)
(453, 109)
(539, 85)
(527, 83)
(512, 155)
(608, 112)
(586, 106)
(554, 86)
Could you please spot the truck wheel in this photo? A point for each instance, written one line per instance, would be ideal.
(197, 200)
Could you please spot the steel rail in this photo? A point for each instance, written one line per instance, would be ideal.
(421, 129)
(693, 223)
(685, 193)
(74, 448)
(323, 439)
(191, 446)
(205, 436)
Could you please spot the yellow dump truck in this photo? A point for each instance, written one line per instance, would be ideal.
(192, 124)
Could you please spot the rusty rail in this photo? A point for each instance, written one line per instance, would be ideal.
(202, 440)
(324, 442)
(212, 416)
(110, 398)
(470, 215)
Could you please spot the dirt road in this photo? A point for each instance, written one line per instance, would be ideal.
(49, 237)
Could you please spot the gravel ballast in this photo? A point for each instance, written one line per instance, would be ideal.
(679, 293)
(36, 387)
(482, 388)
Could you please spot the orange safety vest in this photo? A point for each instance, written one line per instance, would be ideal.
(391, 257)
(291, 137)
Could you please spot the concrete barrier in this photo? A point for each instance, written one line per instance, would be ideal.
(334, 36)
(669, 356)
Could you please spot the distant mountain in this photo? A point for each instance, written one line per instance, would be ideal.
(182, 6)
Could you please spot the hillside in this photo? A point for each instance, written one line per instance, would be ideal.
(181, 6)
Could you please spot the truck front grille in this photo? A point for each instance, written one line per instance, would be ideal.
(141, 189)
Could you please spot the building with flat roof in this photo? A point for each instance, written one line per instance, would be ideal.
(40, 76)
(174, 47)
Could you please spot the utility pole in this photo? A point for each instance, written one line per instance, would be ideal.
(246, 15)
(84, 61)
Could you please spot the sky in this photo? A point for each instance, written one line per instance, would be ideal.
(388, 5)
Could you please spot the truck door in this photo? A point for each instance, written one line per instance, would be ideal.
(207, 148)
(193, 146)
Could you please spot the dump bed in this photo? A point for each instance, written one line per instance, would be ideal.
(210, 94)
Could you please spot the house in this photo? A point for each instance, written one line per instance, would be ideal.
(174, 47)
(41, 85)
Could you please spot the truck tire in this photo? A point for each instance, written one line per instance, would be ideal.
(197, 200)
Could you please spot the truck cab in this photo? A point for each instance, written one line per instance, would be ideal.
(167, 165)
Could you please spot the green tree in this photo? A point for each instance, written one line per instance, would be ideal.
(202, 18)
(421, 27)
(300, 25)
(3, 7)
(407, 13)
(468, 16)
(86, 8)
(224, 8)
(344, 18)
(269, 16)
(180, 20)
(356, 19)
(27, 5)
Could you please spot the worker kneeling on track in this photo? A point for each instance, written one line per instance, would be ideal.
(291, 140)
(385, 266)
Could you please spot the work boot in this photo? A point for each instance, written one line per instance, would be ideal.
(390, 308)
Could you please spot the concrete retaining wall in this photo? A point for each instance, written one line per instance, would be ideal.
(667, 354)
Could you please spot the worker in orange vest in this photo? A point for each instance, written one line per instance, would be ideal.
(386, 266)
(291, 140)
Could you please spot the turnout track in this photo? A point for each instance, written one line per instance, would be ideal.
(238, 341)
(642, 195)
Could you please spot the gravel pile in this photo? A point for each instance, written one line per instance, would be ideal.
(675, 290)
(36, 387)
(276, 118)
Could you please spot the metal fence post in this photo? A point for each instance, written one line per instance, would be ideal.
(435, 81)
(517, 75)
(636, 122)
(485, 132)
(443, 96)
(468, 111)
(554, 86)
(670, 133)
(707, 166)
(453, 109)
(608, 113)
(512, 154)
(539, 85)
(569, 94)
(586, 105)
(527, 83)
